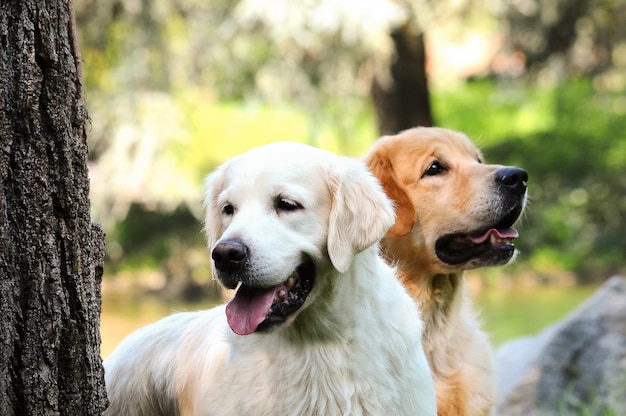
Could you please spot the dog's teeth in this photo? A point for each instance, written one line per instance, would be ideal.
(282, 293)
(291, 281)
(493, 239)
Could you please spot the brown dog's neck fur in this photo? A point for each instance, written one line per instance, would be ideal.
(436, 294)
(443, 302)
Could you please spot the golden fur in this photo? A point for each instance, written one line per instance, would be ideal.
(440, 186)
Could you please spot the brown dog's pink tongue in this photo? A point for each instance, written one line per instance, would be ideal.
(509, 233)
(248, 309)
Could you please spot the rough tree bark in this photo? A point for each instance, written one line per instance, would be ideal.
(51, 255)
(402, 100)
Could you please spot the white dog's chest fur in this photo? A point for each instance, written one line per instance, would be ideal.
(332, 377)
(313, 380)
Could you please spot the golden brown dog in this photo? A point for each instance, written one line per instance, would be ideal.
(453, 213)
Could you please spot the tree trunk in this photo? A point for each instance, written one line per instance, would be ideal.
(402, 101)
(51, 255)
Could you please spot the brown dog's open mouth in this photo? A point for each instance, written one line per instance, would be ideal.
(491, 245)
(260, 309)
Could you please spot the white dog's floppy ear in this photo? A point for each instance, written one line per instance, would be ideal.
(360, 214)
(214, 183)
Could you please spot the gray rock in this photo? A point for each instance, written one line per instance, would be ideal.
(575, 367)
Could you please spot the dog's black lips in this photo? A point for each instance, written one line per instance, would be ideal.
(293, 300)
(458, 248)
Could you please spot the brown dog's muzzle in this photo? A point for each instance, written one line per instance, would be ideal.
(492, 243)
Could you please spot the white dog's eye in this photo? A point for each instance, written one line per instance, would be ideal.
(285, 204)
(435, 168)
(228, 209)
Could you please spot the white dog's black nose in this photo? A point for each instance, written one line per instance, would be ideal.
(229, 255)
(513, 179)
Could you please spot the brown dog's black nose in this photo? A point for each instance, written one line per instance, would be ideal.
(512, 178)
(229, 255)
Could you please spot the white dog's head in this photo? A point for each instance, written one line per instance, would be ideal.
(278, 217)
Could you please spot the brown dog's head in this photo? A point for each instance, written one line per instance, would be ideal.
(453, 211)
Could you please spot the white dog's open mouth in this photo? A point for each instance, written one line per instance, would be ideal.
(260, 309)
(491, 245)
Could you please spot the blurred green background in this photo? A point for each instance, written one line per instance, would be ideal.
(175, 87)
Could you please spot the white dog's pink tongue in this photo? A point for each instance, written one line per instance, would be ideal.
(248, 309)
(507, 234)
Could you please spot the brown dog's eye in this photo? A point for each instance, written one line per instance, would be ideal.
(435, 168)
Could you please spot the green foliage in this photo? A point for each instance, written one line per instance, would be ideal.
(146, 238)
(490, 113)
(217, 132)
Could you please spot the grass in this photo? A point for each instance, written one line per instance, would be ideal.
(515, 312)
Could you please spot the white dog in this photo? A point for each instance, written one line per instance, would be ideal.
(319, 325)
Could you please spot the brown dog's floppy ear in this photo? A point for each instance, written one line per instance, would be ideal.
(214, 183)
(382, 169)
(360, 214)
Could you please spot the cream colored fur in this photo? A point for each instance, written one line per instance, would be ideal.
(353, 348)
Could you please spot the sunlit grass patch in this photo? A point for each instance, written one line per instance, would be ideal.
(508, 313)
